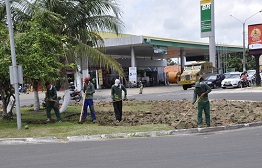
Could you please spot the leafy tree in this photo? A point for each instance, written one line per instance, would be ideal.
(234, 60)
(82, 21)
(251, 62)
(76, 21)
(39, 50)
(6, 89)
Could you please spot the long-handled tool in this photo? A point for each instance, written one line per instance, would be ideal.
(187, 112)
(80, 118)
(111, 102)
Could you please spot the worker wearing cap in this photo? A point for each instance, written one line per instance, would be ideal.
(116, 95)
(89, 90)
(51, 102)
(201, 92)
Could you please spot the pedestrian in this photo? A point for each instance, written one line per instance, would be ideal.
(141, 87)
(201, 92)
(52, 102)
(116, 95)
(89, 90)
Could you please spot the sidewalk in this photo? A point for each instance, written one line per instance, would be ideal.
(106, 93)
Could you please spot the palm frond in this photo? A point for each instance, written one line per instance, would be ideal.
(98, 58)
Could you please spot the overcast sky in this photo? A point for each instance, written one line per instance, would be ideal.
(180, 19)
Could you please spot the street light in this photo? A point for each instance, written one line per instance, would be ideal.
(244, 45)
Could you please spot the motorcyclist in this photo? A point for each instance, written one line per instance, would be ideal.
(71, 87)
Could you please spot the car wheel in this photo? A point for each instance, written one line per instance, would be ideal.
(184, 87)
(223, 87)
(214, 86)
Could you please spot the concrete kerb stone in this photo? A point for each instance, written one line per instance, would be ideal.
(29, 140)
(255, 124)
(165, 133)
(84, 137)
(130, 135)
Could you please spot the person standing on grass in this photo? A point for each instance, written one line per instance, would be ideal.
(201, 92)
(89, 90)
(51, 102)
(116, 95)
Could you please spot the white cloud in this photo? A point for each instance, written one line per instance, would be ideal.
(180, 19)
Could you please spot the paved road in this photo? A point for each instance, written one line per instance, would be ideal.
(170, 92)
(229, 149)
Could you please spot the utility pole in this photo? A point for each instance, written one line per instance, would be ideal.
(14, 65)
(244, 39)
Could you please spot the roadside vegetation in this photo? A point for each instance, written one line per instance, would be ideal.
(138, 116)
(53, 36)
(35, 125)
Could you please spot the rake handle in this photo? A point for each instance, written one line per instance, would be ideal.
(187, 112)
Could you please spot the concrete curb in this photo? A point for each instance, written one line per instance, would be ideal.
(28, 140)
(129, 135)
(163, 133)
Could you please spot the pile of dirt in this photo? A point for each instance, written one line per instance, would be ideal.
(223, 112)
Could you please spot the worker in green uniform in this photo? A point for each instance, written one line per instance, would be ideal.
(51, 102)
(116, 95)
(89, 90)
(201, 93)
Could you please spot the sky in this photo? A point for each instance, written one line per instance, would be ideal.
(180, 19)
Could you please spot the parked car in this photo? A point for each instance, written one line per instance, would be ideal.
(232, 80)
(214, 80)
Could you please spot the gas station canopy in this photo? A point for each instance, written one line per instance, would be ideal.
(159, 48)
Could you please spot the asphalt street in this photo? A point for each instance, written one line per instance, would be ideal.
(170, 92)
(228, 149)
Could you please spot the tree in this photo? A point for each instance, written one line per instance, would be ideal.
(234, 61)
(39, 50)
(6, 89)
(80, 20)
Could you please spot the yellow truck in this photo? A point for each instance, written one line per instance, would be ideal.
(194, 71)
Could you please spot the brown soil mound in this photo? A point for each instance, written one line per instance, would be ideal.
(223, 112)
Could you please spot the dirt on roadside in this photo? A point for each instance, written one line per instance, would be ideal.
(223, 112)
(135, 112)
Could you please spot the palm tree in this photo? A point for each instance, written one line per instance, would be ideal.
(81, 21)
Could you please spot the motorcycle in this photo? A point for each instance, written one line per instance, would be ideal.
(245, 83)
(76, 95)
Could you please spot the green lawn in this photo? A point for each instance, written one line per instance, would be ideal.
(36, 120)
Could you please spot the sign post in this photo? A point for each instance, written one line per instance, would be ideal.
(208, 27)
(206, 18)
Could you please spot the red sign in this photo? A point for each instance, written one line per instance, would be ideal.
(255, 36)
